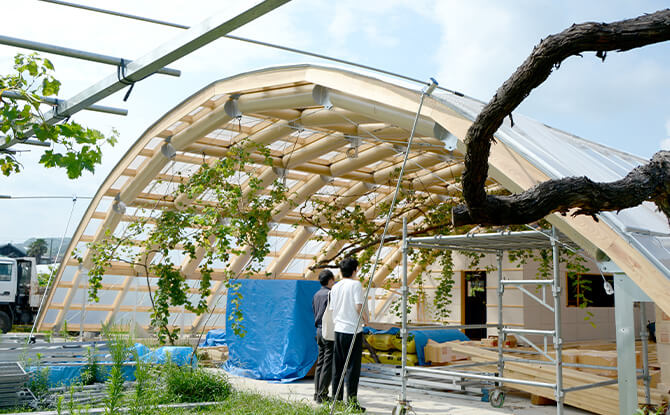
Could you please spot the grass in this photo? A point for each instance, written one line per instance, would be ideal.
(246, 403)
(183, 384)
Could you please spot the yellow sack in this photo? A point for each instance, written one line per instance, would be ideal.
(395, 358)
(367, 357)
(380, 341)
(411, 344)
(412, 358)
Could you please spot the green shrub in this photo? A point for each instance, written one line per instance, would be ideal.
(194, 385)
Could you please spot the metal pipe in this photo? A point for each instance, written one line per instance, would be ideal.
(56, 101)
(247, 40)
(529, 331)
(383, 238)
(527, 282)
(403, 330)
(483, 377)
(75, 53)
(195, 38)
(501, 332)
(558, 341)
(591, 385)
(454, 327)
(541, 301)
(645, 353)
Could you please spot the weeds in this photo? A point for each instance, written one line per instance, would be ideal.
(91, 371)
(118, 347)
(184, 384)
(38, 382)
(141, 400)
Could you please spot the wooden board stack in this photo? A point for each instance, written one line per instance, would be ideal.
(663, 348)
(602, 400)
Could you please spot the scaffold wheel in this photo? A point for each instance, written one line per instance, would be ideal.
(497, 398)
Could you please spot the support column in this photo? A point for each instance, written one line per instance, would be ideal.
(625, 345)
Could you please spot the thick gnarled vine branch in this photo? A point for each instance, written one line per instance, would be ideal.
(649, 182)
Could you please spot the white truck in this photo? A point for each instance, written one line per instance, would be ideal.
(20, 293)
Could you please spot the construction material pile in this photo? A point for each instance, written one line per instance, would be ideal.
(601, 400)
(387, 349)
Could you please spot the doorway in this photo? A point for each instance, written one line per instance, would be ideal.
(474, 302)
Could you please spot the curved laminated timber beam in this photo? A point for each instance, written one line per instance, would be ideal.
(333, 135)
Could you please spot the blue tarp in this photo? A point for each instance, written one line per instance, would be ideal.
(421, 337)
(67, 375)
(280, 342)
(216, 337)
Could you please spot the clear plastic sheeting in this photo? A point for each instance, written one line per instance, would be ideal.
(279, 343)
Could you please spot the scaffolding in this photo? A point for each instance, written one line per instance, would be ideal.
(497, 243)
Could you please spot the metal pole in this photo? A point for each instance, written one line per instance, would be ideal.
(501, 332)
(558, 341)
(644, 337)
(56, 101)
(247, 40)
(426, 91)
(74, 53)
(403, 330)
(191, 40)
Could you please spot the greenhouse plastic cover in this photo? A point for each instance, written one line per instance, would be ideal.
(421, 337)
(66, 375)
(279, 343)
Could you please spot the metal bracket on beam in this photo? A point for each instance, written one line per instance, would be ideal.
(321, 96)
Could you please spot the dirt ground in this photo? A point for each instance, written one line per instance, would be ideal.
(382, 401)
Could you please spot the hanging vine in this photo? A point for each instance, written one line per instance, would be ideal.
(234, 219)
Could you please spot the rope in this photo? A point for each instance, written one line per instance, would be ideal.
(53, 269)
(379, 250)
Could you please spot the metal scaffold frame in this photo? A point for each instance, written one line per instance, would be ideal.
(497, 243)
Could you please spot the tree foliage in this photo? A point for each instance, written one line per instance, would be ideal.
(75, 148)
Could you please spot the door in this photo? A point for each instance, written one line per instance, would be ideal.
(7, 281)
(475, 302)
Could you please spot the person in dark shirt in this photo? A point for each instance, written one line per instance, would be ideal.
(324, 363)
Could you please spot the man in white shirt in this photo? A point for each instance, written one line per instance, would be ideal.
(346, 301)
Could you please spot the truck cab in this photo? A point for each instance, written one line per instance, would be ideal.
(17, 275)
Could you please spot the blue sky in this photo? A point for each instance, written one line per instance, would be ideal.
(470, 46)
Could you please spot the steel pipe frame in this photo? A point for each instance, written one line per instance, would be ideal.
(75, 53)
(191, 40)
(433, 243)
(56, 101)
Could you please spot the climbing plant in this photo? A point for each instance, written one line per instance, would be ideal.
(74, 147)
(227, 214)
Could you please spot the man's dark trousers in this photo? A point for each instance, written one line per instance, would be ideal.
(324, 367)
(353, 370)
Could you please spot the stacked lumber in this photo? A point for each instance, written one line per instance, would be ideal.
(601, 400)
(663, 348)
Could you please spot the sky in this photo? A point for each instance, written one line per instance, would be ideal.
(471, 47)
